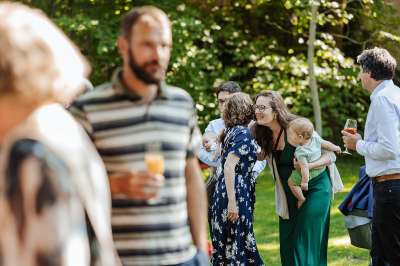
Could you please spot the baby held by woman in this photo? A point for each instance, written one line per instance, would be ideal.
(301, 132)
(211, 144)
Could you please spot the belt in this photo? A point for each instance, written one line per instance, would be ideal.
(382, 178)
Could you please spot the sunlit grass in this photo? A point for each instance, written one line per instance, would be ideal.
(273, 246)
(340, 251)
(339, 241)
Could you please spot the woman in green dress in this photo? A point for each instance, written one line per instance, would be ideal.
(303, 233)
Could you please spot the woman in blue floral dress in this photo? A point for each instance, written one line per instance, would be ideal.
(233, 204)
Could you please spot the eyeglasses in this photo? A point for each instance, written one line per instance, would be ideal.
(261, 108)
(220, 101)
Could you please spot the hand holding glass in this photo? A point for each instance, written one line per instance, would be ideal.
(350, 127)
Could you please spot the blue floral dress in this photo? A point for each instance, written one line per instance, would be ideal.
(234, 243)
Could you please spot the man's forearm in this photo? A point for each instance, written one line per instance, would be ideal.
(386, 123)
(196, 204)
(376, 150)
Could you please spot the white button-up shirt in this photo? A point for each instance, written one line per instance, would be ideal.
(217, 126)
(381, 144)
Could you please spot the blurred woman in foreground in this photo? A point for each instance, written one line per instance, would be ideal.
(54, 200)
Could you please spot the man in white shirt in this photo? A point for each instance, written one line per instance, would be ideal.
(223, 91)
(381, 149)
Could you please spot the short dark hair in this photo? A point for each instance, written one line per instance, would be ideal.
(379, 62)
(133, 15)
(230, 86)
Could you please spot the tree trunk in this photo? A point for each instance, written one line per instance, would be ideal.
(69, 7)
(313, 82)
(338, 29)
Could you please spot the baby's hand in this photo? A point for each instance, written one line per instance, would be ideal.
(304, 186)
(338, 150)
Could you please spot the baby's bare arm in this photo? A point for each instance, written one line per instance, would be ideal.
(305, 175)
(330, 146)
(304, 171)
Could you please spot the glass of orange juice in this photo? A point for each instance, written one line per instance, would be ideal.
(155, 163)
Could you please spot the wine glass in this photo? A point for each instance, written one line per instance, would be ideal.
(350, 127)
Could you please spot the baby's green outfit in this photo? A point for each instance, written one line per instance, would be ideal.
(310, 153)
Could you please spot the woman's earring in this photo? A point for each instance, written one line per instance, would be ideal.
(274, 116)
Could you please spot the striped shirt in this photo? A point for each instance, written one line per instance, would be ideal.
(122, 127)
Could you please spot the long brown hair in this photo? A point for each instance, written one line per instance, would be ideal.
(263, 134)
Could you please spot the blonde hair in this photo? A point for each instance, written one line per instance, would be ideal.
(302, 126)
(38, 62)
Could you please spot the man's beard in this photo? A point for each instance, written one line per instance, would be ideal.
(141, 73)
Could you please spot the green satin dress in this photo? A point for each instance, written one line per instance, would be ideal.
(304, 237)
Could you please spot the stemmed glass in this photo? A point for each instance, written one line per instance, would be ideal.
(350, 127)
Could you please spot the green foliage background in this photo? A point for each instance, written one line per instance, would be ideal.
(261, 44)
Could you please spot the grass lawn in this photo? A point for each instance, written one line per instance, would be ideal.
(340, 251)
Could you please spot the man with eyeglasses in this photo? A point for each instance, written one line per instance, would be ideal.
(223, 91)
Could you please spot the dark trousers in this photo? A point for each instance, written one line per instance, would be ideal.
(386, 224)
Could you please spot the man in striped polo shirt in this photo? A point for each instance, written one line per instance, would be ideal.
(154, 220)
